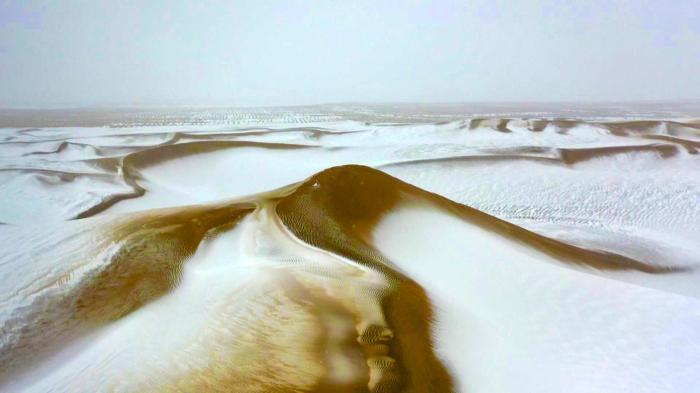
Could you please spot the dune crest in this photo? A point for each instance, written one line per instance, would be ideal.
(327, 310)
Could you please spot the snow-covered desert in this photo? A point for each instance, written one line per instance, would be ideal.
(383, 248)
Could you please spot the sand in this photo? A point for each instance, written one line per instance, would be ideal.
(480, 254)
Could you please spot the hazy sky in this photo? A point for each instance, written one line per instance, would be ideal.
(151, 52)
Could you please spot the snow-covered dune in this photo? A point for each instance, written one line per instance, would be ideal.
(475, 254)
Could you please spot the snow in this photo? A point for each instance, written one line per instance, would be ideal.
(510, 319)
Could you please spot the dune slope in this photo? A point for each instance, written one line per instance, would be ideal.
(300, 289)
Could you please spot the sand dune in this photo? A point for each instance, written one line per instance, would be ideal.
(313, 248)
(113, 155)
(346, 251)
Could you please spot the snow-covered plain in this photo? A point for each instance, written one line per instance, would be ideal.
(78, 199)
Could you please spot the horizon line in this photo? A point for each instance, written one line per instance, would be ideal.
(153, 106)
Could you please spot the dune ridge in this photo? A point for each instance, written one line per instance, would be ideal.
(333, 211)
(118, 166)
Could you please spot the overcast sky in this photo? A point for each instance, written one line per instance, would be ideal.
(153, 52)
